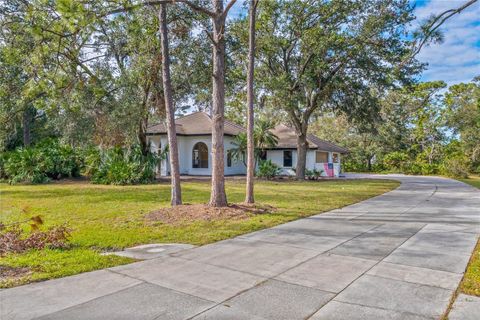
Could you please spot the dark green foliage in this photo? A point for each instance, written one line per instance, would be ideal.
(353, 165)
(454, 164)
(121, 166)
(456, 167)
(61, 160)
(51, 160)
(24, 165)
(422, 130)
(420, 168)
(47, 160)
(3, 159)
(313, 174)
(396, 160)
(267, 169)
(263, 138)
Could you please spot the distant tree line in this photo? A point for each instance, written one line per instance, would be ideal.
(426, 128)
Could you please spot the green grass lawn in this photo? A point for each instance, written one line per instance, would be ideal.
(471, 281)
(112, 217)
(472, 180)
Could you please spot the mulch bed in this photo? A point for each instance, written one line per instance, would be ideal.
(11, 273)
(203, 212)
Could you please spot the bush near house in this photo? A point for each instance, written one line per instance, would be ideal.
(267, 170)
(121, 166)
(313, 174)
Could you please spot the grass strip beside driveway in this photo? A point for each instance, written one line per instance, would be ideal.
(471, 280)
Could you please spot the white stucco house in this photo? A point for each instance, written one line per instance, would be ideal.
(194, 146)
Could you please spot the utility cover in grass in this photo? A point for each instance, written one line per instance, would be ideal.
(151, 251)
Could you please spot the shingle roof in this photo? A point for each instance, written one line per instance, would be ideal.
(200, 123)
(287, 139)
(325, 145)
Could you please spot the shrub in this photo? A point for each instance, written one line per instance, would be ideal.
(267, 169)
(47, 160)
(378, 167)
(477, 170)
(25, 165)
(396, 160)
(455, 167)
(3, 159)
(412, 168)
(429, 168)
(354, 165)
(61, 160)
(313, 174)
(121, 166)
(420, 168)
(349, 165)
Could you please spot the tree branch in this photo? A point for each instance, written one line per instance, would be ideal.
(210, 36)
(159, 2)
(228, 7)
(434, 25)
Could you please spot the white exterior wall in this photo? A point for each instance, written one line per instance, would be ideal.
(311, 160)
(276, 156)
(321, 166)
(238, 167)
(185, 155)
(185, 150)
(156, 145)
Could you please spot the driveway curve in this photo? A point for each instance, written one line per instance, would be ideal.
(399, 255)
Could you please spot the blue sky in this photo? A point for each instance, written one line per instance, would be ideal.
(457, 58)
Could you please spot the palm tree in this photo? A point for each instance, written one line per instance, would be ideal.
(263, 135)
(263, 138)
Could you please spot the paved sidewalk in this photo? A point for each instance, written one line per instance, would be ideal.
(396, 256)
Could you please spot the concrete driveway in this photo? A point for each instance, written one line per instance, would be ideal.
(400, 255)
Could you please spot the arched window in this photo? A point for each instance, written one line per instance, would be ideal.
(200, 155)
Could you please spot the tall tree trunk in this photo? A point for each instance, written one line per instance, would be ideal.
(301, 155)
(142, 135)
(218, 197)
(249, 198)
(176, 197)
(26, 126)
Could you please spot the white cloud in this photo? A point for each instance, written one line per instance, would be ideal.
(238, 9)
(457, 59)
